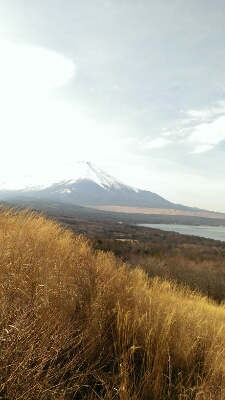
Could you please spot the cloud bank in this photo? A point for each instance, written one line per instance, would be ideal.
(31, 69)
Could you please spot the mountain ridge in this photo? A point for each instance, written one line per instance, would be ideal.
(82, 183)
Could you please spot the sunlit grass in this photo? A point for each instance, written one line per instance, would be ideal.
(79, 324)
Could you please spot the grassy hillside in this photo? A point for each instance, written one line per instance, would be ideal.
(79, 324)
(193, 261)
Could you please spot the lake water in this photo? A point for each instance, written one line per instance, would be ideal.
(211, 232)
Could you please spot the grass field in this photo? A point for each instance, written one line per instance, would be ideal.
(161, 211)
(80, 324)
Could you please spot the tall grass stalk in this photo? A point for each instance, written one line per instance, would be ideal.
(79, 324)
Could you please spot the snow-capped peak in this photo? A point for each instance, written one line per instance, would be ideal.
(83, 170)
(67, 174)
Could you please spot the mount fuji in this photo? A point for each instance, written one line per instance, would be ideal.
(84, 184)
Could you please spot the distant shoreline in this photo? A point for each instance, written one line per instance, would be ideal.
(159, 211)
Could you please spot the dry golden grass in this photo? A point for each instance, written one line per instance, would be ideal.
(78, 324)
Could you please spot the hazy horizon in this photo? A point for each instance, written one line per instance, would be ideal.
(136, 88)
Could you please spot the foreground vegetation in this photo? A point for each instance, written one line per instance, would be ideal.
(189, 260)
(80, 324)
(196, 262)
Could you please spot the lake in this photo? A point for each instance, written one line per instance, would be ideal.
(211, 232)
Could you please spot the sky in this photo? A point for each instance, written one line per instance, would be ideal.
(135, 87)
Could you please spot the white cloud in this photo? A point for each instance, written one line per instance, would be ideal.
(167, 133)
(207, 135)
(154, 144)
(207, 114)
(31, 69)
(202, 148)
(32, 116)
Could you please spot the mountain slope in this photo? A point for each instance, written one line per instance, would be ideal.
(83, 184)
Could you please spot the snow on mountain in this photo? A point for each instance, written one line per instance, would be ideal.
(65, 175)
(83, 170)
(80, 183)
(16, 183)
